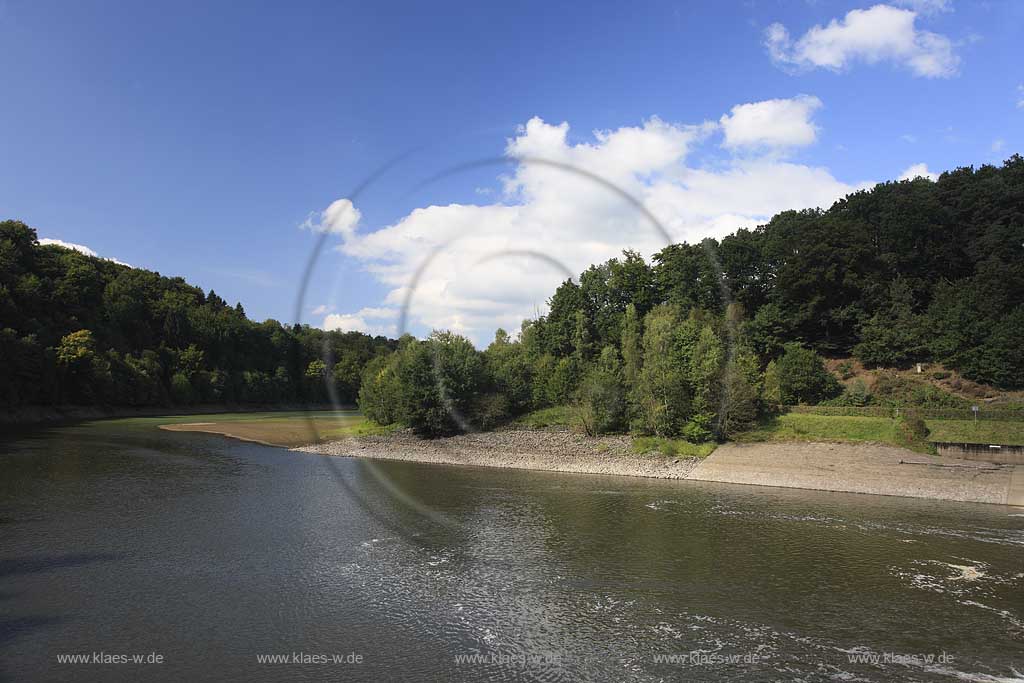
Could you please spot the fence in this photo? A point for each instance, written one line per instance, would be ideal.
(891, 411)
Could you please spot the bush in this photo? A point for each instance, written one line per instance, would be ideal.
(893, 390)
(845, 369)
(911, 429)
(855, 395)
(491, 410)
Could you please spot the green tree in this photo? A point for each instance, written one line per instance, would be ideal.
(801, 377)
(662, 397)
(894, 335)
(740, 405)
(601, 407)
(704, 374)
(510, 374)
(439, 381)
(632, 353)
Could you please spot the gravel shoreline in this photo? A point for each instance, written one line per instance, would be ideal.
(847, 467)
(558, 451)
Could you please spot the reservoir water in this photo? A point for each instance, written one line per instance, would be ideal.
(235, 561)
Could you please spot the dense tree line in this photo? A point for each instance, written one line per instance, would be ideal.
(696, 343)
(80, 330)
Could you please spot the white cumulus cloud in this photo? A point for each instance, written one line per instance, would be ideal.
(488, 265)
(772, 123)
(340, 218)
(80, 248)
(919, 171)
(880, 33)
(361, 321)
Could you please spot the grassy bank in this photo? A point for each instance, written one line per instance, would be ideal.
(804, 427)
(985, 431)
(808, 427)
(673, 447)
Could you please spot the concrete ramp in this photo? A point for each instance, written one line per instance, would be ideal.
(864, 468)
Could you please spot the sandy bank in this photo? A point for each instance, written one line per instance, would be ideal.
(855, 468)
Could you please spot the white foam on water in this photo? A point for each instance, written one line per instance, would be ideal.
(1015, 677)
(1005, 614)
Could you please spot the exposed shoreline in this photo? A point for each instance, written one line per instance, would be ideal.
(555, 451)
(847, 467)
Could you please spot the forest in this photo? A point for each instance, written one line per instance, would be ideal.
(703, 340)
(81, 330)
(696, 343)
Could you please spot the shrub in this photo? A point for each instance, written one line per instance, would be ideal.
(911, 429)
(893, 390)
(845, 369)
(491, 410)
(941, 374)
(854, 396)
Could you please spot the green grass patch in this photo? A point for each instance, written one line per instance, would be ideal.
(555, 416)
(673, 447)
(806, 427)
(984, 431)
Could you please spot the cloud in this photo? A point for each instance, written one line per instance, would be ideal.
(881, 33)
(926, 6)
(82, 249)
(919, 171)
(998, 144)
(1020, 96)
(340, 218)
(493, 264)
(771, 123)
(359, 321)
(911, 139)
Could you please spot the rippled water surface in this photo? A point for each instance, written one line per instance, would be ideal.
(122, 539)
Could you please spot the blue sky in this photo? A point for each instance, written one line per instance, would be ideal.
(197, 139)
